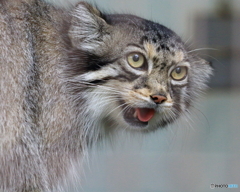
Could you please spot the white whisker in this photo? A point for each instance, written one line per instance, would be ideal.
(116, 108)
(202, 49)
(124, 109)
(101, 86)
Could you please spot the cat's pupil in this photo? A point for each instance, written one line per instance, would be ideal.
(135, 58)
(178, 70)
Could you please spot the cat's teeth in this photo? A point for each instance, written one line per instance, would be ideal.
(135, 114)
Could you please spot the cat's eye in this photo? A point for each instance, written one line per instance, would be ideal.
(136, 60)
(179, 73)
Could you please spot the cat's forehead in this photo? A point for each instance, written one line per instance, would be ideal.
(163, 55)
(159, 42)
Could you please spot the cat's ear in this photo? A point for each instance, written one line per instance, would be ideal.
(88, 29)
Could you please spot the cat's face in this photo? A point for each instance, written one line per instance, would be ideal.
(135, 73)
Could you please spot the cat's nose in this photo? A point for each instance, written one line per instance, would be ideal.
(158, 99)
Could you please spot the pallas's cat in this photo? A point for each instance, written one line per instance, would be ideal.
(69, 75)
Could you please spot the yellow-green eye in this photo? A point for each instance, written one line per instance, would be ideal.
(179, 73)
(136, 60)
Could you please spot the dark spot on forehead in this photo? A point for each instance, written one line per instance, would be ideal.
(163, 65)
(143, 39)
(158, 49)
(165, 47)
(159, 36)
(154, 40)
(162, 46)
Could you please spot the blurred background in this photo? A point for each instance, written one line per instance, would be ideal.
(189, 155)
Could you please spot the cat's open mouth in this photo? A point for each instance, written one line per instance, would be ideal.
(138, 116)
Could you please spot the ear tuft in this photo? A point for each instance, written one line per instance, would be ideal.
(88, 29)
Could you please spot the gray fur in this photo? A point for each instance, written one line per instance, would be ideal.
(65, 83)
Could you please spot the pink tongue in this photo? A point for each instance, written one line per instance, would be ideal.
(145, 114)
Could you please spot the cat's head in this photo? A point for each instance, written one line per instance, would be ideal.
(129, 71)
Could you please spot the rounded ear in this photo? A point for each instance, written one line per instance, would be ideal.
(88, 29)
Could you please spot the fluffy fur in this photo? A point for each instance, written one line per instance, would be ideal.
(66, 82)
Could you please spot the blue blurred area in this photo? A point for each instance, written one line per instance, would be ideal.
(193, 153)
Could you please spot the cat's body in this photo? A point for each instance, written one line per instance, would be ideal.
(67, 76)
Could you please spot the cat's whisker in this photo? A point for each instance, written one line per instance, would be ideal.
(88, 83)
(101, 86)
(103, 93)
(214, 58)
(196, 110)
(115, 108)
(123, 111)
(188, 39)
(172, 114)
(105, 101)
(187, 119)
(203, 49)
(127, 107)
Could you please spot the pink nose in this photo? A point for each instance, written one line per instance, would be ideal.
(158, 99)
